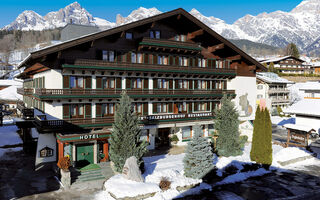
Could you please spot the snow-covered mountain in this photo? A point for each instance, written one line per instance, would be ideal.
(30, 20)
(300, 26)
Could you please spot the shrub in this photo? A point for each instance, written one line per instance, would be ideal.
(174, 138)
(243, 140)
(280, 112)
(64, 163)
(164, 184)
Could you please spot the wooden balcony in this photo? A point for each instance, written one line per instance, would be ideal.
(25, 91)
(225, 72)
(170, 45)
(72, 124)
(275, 91)
(27, 113)
(47, 94)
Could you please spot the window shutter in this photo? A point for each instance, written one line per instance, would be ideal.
(190, 62)
(128, 57)
(66, 83)
(118, 83)
(66, 111)
(145, 109)
(43, 82)
(208, 106)
(146, 58)
(99, 54)
(88, 111)
(208, 85)
(88, 82)
(196, 106)
(155, 83)
(170, 107)
(190, 85)
(145, 83)
(154, 108)
(128, 83)
(98, 110)
(214, 63)
(170, 83)
(196, 86)
(177, 60)
(99, 83)
(171, 60)
(176, 84)
(155, 59)
(190, 107)
(119, 56)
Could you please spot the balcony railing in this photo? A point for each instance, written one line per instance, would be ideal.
(27, 113)
(114, 93)
(278, 91)
(50, 125)
(143, 67)
(25, 91)
(170, 44)
(280, 100)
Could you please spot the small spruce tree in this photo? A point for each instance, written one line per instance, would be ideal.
(261, 150)
(125, 135)
(227, 126)
(198, 160)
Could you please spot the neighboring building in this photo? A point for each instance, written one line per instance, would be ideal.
(307, 113)
(289, 64)
(71, 31)
(311, 90)
(272, 90)
(8, 93)
(4, 69)
(174, 67)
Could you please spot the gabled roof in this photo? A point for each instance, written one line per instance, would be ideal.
(101, 34)
(270, 77)
(309, 107)
(280, 59)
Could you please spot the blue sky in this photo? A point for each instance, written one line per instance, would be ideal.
(228, 10)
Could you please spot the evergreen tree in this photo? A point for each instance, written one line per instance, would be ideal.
(292, 50)
(198, 160)
(261, 150)
(227, 126)
(125, 135)
(271, 67)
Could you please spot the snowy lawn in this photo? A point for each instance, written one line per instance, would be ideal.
(171, 166)
(7, 150)
(9, 136)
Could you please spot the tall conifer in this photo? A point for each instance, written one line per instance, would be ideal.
(125, 135)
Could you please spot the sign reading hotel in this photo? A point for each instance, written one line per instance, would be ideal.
(88, 137)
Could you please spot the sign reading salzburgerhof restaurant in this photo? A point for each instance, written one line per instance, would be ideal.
(177, 116)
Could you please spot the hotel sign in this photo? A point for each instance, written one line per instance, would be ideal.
(89, 136)
(176, 116)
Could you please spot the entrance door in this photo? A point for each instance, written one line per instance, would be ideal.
(84, 154)
(163, 137)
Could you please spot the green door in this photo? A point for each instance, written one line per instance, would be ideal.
(84, 154)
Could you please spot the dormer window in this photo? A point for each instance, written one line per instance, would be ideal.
(108, 56)
(155, 34)
(129, 35)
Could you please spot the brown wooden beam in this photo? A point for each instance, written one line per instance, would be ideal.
(232, 58)
(215, 47)
(179, 17)
(92, 42)
(153, 24)
(194, 34)
(252, 67)
(122, 34)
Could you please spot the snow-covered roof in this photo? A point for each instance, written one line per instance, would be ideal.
(311, 85)
(298, 127)
(9, 82)
(10, 93)
(309, 107)
(270, 77)
(279, 59)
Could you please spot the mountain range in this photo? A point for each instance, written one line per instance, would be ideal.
(278, 28)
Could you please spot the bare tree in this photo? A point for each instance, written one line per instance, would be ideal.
(6, 46)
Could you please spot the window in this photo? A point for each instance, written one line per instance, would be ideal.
(137, 107)
(139, 58)
(76, 82)
(77, 111)
(260, 87)
(211, 129)
(129, 36)
(202, 84)
(259, 96)
(137, 83)
(108, 82)
(144, 135)
(176, 38)
(183, 38)
(133, 58)
(108, 55)
(155, 34)
(161, 108)
(46, 152)
(182, 107)
(162, 84)
(182, 84)
(107, 109)
(186, 132)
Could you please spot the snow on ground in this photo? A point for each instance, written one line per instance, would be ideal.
(276, 119)
(10, 93)
(171, 166)
(7, 150)
(9, 136)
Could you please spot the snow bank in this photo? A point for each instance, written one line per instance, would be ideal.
(121, 187)
(10, 93)
(9, 136)
(290, 153)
